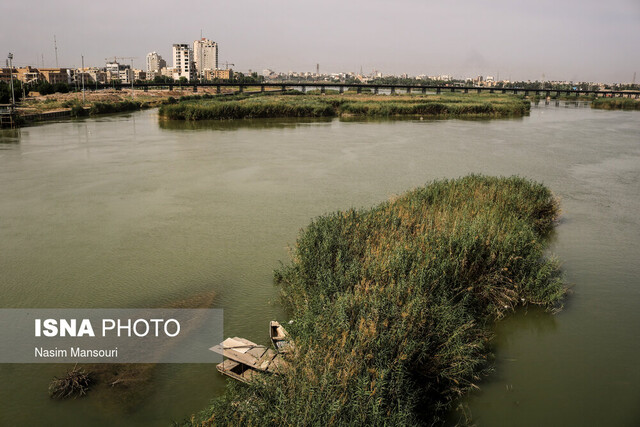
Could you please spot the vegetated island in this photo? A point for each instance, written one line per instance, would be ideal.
(392, 306)
(616, 104)
(297, 104)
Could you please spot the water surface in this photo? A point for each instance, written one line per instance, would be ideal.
(127, 211)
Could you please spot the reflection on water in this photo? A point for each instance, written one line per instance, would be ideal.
(9, 136)
(221, 125)
(130, 211)
(281, 123)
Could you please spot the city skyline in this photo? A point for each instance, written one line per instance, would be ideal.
(578, 41)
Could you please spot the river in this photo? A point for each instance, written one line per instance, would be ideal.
(128, 211)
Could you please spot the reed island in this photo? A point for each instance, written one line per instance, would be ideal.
(298, 104)
(391, 307)
(616, 104)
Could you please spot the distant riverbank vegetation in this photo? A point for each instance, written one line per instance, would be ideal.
(346, 105)
(616, 104)
(392, 306)
(95, 108)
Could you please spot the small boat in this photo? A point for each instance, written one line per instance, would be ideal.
(279, 337)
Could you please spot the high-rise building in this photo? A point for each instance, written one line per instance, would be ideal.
(206, 55)
(183, 65)
(155, 63)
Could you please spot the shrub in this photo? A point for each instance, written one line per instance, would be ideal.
(61, 88)
(114, 107)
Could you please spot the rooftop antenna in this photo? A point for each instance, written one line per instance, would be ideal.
(55, 46)
(634, 78)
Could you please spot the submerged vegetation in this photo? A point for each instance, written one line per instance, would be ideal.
(392, 306)
(313, 105)
(616, 104)
(74, 383)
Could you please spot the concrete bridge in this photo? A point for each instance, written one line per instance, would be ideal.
(375, 88)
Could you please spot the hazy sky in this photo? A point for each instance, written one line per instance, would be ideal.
(580, 40)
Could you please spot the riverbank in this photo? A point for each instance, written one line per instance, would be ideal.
(392, 306)
(297, 104)
(38, 108)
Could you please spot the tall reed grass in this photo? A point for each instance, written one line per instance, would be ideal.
(392, 306)
(616, 104)
(344, 105)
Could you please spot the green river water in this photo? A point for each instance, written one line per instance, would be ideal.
(128, 211)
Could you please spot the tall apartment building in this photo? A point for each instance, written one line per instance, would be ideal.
(155, 62)
(205, 55)
(183, 64)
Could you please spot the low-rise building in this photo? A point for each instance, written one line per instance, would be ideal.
(139, 75)
(152, 75)
(6, 73)
(167, 72)
(97, 75)
(55, 75)
(218, 74)
(28, 74)
(121, 72)
(112, 75)
(125, 75)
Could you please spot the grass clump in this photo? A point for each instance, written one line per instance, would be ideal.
(346, 105)
(392, 306)
(616, 104)
(77, 110)
(114, 107)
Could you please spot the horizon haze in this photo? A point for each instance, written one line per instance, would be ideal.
(541, 40)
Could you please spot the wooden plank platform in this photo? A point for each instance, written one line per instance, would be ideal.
(250, 354)
(236, 370)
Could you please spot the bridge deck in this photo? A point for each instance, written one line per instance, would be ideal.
(375, 88)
